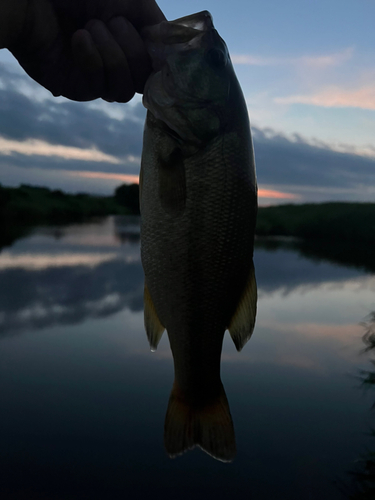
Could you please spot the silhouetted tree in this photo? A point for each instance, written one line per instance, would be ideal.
(128, 196)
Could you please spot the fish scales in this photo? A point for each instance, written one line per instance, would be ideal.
(198, 209)
(193, 262)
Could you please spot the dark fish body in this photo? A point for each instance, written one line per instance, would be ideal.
(198, 212)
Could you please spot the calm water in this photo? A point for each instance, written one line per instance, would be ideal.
(83, 399)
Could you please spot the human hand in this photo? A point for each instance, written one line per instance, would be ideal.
(85, 49)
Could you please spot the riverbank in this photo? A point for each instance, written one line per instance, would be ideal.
(38, 205)
(349, 222)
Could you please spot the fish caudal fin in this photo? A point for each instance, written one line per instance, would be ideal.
(242, 324)
(154, 328)
(210, 427)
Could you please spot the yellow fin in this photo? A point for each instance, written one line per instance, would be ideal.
(242, 324)
(208, 426)
(154, 328)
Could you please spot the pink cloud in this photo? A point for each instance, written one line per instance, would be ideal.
(269, 193)
(334, 97)
(128, 178)
(41, 148)
(314, 61)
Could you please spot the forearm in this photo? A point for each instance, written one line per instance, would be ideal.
(12, 19)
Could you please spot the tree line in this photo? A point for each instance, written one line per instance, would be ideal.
(333, 221)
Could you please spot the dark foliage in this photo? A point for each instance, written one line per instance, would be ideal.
(30, 204)
(352, 222)
(128, 196)
(27, 206)
(358, 254)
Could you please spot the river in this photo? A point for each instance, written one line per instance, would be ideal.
(83, 399)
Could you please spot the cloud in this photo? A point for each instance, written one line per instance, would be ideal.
(66, 293)
(34, 147)
(278, 270)
(96, 146)
(335, 97)
(319, 61)
(59, 178)
(70, 124)
(315, 171)
(326, 60)
(290, 168)
(134, 179)
(38, 132)
(45, 261)
(269, 193)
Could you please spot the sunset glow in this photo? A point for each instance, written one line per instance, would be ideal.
(319, 61)
(134, 179)
(38, 262)
(40, 148)
(335, 97)
(269, 193)
(127, 178)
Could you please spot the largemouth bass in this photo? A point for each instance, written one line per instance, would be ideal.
(198, 198)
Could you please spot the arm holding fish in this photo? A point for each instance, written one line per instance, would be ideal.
(81, 49)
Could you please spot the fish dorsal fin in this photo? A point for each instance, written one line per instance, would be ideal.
(242, 323)
(153, 326)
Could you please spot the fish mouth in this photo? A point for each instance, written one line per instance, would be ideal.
(202, 21)
(185, 33)
(181, 30)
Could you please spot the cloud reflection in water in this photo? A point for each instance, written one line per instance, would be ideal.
(51, 279)
(296, 410)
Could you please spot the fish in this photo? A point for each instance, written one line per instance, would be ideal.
(198, 203)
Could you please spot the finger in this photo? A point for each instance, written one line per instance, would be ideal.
(118, 82)
(134, 49)
(88, 63)
(85, 53)
(143, 13)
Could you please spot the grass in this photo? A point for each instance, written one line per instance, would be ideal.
(325, 221)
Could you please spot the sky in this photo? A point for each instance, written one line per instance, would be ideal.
(307, 71)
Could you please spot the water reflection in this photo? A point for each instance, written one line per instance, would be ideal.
(198, 413)
(65, 276)
(345, 253)
(85, 389)
(362, 483)
(127, 229)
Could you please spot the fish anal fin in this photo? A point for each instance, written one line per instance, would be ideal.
(207, 426)
(153, 326)
(242, 323)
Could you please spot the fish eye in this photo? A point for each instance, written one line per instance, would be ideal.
(216, 57)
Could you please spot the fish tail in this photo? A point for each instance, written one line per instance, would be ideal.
(208, 426)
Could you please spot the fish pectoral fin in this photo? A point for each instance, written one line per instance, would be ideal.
(242, 323)
(153, 326)
(208, 426)
(172, 182)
